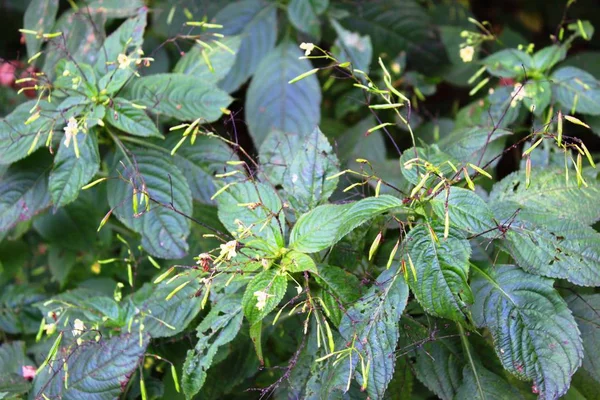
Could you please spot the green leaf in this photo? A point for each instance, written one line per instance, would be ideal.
(71, 173)
(17, 313)
(535, 335)
(39, 17)
(305, 181)
(193, 63)
(401, 384)
(466, 210)
(586, 308)
(548, 57)
(538, 95)
(304, 15)
(327, 224)
(12, 360)
(17, 140)
(294, 261)
(373, 323)
(23, 191)
(256, 23)
(200, 161)
(468, 144)
(132, 120)
(508, 63)
(547, 245)
(442, 269)
(60, 263)
(438, 366)
(339, 287)
(218, 328)
(263, 294)
(97, 370)
(432, 155)
(163, 231)
(493, 386)
(115, 8)
(161, 317)
(353, 47)
(498, 109)
(277, 153)
(550, 191)
(268, 211)
(179, 97)
(576, 90)
(273, 103)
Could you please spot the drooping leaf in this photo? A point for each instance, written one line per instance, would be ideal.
(535, 335)
(353, 47)
(273, 103)
(550, 191)
(576, 90)
(438, 366)
(98, 370)
(304, 15)
(305, 181)
(163, 231)
(551, 246)
(509, 63)
(39, 17)
(256, 23)
(218, 328)
(492, 386)
(70, 172)
(24, 191)
(442, 268)
(162, 317)
(586, 310)
(179, 97)
(466, 210)
(264, 209)
(263, 294)
(221, 60)
(132, 120)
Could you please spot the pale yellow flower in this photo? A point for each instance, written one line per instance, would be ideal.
(467, 53)
(307, 47)
(78, 327)
(228, 249)
(123, 60)
(70, 130)
(261, 299)
(517, 94)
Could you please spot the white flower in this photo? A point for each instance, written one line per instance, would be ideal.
(228, 249)
(261, 299)
(467, 53)
(70, 130)
(517, 94)
(123, 61)
(78, 327)
(307, 47)
(50, 329)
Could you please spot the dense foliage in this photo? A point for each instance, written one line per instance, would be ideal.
(313, 199)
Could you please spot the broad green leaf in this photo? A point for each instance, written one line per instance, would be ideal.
(17, 140)
(39, 17)
(372, 325)
(256, 23)
(535, 335)
(261, 210)
(353, 47)
(60, 263)
(550, 191)
(97, 370)
(438, 366)
(273, 103)
(277, 153)
(161, 317)
(200, 161)
(466, 210)
(509, 63)
(470, 145)
(70, 173)
(551, 246)
(221, 60)
(304, 15)
(132, 120)
(365, 210)
(12, 360)
(115, 8)
(538, 95)
(498, 109)
(401, 384)
(263, 294)
(576, 90)
(586, 309)
(549, 56)
(492, 385)
(305, 181)
(218, 328)
(294, 261)
(163, 231)
(585, 60)
(339, 287)
(431, 155)
(179, 97)
(24, 191)
(442, 269)
(17, 313)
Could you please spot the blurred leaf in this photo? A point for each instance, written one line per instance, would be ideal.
(17, 313)
(221, 60)
(304, 15)
(353, 47)
(576, 90)
(39, 17)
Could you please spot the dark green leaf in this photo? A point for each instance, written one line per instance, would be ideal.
(509, 63)
(304, 15)
(493, 386)
(277, 153)
(17, 313)
(294, 261)
(548, 57)
(60, 263)
(132, 120)
(263, 294)
(466, 210)
(273, 103)
(39, 17)
(586, 310)
(438, 367)
(193, 63)
(535, 335)
(468, 144)
(576, 90)
(538, 95)
(353, 47)
(12, 361)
